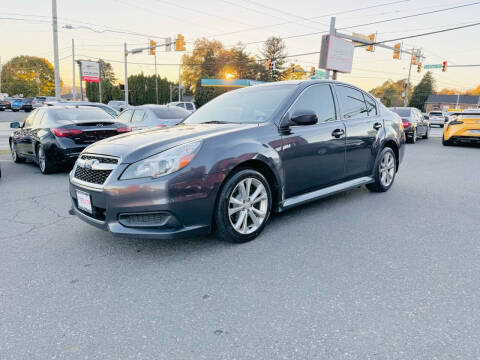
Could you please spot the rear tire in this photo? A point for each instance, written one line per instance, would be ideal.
(426, 135)
(446, 142)
(385, 171)
(243, 207)
(45, 165)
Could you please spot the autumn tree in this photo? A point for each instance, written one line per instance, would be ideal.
(298, 74)
(390, 92)
(28, 75)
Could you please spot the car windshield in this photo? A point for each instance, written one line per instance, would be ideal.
(249, 105)
(436, 114)
(403, 112)
(169, 113)
(92, 113)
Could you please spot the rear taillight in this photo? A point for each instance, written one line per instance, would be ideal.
(66, 132)
(161, 125)
(124, 129)
(406, 124)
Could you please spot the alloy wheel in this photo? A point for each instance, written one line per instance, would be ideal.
(13, 151)
(41, 159)
(248, 205)
(387, 169)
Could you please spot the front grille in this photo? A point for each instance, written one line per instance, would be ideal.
(103, 160)
(91, 176)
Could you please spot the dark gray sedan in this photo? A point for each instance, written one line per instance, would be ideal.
(151, 116)
(237, 159)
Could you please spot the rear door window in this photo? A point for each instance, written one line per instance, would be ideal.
(352, 101)
(138, 116)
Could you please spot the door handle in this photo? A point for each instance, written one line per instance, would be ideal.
(337, 133)
(377, 126)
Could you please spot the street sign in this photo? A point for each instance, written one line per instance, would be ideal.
(336, 54)
(432, 66)
(319, 74)
(90, 71)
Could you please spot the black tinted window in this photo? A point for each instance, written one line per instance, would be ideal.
(319, 99)
(189, 106)
(353, 103)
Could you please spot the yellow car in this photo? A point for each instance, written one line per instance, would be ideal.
(462, 127)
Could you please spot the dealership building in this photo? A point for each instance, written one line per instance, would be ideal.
(445, 102)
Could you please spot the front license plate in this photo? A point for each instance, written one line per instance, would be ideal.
(84, 202)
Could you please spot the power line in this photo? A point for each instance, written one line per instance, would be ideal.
(411, 15)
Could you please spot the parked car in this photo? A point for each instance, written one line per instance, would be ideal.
(463, 127)
(39, 101)
(56, 135)
(102, 106)
(4, 104)
(8, 103)
(117, 105)
(187, 105)
(16, 105)
(414, 123)
(27, 104)
(148, 116)
(437, 118)
(237, 159)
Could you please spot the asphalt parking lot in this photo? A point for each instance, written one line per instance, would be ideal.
(354, 276)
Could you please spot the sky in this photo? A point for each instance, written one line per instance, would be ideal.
(245, 21)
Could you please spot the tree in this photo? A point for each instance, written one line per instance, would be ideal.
(298, 74)
(28, 75)
(425, 87)
(275, 50)
(109, 90)
(390, 92)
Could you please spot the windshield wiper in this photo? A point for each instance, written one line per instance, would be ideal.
(216, 122)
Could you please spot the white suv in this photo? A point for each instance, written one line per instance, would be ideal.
(436, 118)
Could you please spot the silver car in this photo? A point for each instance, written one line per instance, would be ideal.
(117, 105)
(187, 105)
(150, 116)
(436, 118)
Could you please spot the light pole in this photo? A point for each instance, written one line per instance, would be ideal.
(55, 49)
(74, 90)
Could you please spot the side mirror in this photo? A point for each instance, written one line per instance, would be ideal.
(304, 117)
(14, 125)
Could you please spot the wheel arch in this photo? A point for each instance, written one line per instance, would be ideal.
(393, 145)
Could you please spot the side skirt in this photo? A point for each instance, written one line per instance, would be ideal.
(318, 194)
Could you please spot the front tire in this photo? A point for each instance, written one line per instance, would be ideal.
(45, 165)
(243, 207)
(15, 157)
(385, 171)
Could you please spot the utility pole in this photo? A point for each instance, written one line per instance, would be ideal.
(332, 33)
(179, 84)
(100, 82)
(55, 49)
(407, 85)
(156, 80)
(80, 75)
(126, 74)
(170, 92)
(74, 90)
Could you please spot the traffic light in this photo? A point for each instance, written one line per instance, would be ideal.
(444, 66)
(419, 67)
(153, 45)
(414, 57)
(180, 43)
(312, 71)
(121, 86)
(371, 37)
(268, 64)
(292, 68)
(397, 51)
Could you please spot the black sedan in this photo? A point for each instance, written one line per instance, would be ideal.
(52, 136)
(27, 104)
(415, 125)
(237, 159)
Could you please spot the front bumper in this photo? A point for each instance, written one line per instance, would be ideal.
(183, 200)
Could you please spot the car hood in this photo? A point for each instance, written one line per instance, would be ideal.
(141, 144)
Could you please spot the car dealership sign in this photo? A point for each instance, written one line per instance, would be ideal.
(90, 71)
(336, 54)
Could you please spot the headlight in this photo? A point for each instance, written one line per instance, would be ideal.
(162, 164)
